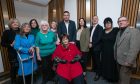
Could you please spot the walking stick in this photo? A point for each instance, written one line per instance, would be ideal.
(32, 69)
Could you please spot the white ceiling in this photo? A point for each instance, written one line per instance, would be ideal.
(43, 2)
(36, 2)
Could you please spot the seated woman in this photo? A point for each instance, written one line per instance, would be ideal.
(24, 44)
(67, 57)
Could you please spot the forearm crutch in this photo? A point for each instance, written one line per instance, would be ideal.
(21, 61)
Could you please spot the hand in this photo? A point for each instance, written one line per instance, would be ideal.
(63, 61)
(31, 50)
(127, 64)
(76, 59)
(12, 44)
(39, 58)
(90, 45)
(58, 60)
(72, 42)
(57, 42)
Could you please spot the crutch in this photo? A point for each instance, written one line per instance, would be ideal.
(21, 61)
(32, 69)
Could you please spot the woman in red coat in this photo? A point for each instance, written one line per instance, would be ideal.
(67, 57)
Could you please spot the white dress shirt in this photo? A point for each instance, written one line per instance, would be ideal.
(67, 25)
(92, 32)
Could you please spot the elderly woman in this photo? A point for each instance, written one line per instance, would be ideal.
(24, 44)
(108, 63)
(7, 41)
(67, 57)
(45, 46)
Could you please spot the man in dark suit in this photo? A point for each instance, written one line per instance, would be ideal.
(126, 49)
(95, 45)
(67, 26)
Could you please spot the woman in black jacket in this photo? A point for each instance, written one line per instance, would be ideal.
(7, 41)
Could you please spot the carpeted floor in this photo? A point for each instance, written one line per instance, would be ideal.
(90, 76)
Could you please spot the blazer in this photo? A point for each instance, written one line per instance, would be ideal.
(84, 40)
(96, 38)
(127, 46)
(71, 30)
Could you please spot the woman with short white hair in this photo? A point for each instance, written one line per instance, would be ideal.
(45, 46)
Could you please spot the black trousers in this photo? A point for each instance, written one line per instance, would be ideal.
(83, 60)
(96, 62)
(13, 71)
(27, 79)
(77, 80)
(46, 68)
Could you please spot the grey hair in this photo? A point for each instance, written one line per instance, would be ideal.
(44, 22)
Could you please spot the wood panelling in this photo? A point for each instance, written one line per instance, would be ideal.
(3, 50)
(81, 9)
(55, 10)
(59, 9)
(11, 8)
(130, 10)
(11, 14)
(93, 8)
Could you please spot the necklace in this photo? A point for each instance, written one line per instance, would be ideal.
(46, 36)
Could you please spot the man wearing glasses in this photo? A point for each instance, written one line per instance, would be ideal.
(126, 49)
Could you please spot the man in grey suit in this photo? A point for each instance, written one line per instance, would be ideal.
(126, 49)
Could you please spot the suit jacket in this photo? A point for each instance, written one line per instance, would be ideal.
(96, 38)
(71, 30)
(84, 40)
(127, 46)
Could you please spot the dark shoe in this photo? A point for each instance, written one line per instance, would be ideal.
(97, 77)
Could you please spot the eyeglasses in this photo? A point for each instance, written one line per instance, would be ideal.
(122, 20)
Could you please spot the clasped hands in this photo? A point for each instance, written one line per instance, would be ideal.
(62, 61)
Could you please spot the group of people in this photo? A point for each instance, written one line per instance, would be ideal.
(62, 49)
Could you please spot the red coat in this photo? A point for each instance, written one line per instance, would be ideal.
(68, 70)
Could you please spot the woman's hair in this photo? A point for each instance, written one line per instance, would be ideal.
(11, 21)
(85, 26)
(107, 20)
(64, 36)
(54, 21)
(42, 23)
(22, 28)
(37, 26)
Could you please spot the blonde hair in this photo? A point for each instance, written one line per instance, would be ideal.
(11, 21)
(22, 28)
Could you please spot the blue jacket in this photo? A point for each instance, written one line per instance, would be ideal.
(23, 44)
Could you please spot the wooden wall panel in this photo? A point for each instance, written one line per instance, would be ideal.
(4, 53)
(56, 9)
(11, 14)
(130, 10)
(11, 8)
(81, 9)
(59, 9)
(93, 8)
